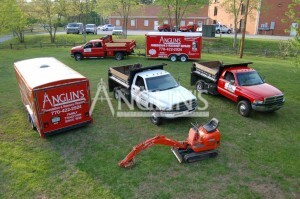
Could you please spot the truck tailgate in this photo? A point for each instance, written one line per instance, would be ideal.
(63, 106)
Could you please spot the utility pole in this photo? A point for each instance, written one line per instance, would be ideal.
(244, 31)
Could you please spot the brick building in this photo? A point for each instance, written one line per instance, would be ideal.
(149, 17)
(266, 20)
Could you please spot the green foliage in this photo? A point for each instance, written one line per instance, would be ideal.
(178, 8)
(123, 8)
(293, 15)
(258, 156)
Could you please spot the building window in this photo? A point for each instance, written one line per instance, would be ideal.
(214, 21)
(216, 1)
(216, 11)
(118, 22)
(146, 22)
(243, 9)
(166, 22)
(132, 22)
(182, 23)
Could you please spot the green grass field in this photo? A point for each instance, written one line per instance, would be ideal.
(259, 156)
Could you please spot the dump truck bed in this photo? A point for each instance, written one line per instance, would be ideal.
(123, 75)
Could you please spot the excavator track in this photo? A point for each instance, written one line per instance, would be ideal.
(188, 156)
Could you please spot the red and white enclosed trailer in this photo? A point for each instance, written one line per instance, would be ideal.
(174, 45)
(56, 97)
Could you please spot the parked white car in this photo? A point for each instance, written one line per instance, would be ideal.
(117, 30)
(107, 27)
(222, 28)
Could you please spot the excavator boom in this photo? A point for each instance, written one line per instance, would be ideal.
(128, 161)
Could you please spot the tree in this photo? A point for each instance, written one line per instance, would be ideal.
(236, 8)
(178, 8)
(50, 14)
(13, 18)
(121, 7)
(293, 15)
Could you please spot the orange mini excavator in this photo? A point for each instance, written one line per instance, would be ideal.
(201, 143)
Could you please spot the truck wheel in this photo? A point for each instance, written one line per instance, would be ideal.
(155, 119)
(229, 31)
(218, 31)
(200, 86)
(183, 58)
(78, 56)
(117, 92)
(119, 56)
(173, 57)
(244, 108)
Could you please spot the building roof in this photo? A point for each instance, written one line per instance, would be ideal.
(155, 11)
(41, 71)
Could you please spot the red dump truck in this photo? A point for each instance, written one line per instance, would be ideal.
(239, 83)
(104, 47)
(174, 46)
(56, 97)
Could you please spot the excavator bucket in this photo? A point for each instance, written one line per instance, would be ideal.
(177, 154)
(129, 164)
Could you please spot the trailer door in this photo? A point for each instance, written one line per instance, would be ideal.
(63, 106)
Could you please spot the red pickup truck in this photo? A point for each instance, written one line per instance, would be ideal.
(188, 28)
(104, 47)
(239, 83)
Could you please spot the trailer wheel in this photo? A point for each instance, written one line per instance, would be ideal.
(78, 56)
(200, 86)
(119, 56)
(173, 58)
(183, 58)
(155, 118)
(31, 123)
(244, 108)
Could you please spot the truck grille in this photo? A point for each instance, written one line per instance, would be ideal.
(275, 100)
(184, 106)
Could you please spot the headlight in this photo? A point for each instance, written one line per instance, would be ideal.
(257, 102)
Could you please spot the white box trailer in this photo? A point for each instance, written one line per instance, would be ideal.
(56, 97)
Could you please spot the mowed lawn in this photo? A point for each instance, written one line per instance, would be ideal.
(259, 156)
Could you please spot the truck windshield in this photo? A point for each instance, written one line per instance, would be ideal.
(160, 83)
(249, 78)
(73, 25)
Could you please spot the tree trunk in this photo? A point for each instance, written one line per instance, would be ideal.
(235, 34)
(244, 31)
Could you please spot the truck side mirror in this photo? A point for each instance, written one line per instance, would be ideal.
(142, 88)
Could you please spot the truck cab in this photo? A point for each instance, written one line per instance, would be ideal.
(245, 86)
(157, 90)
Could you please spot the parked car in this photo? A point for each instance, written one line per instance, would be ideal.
(75, 28)
(222, 28)
(166, 28)
(107, 27)
(117, 31)
(90, 28)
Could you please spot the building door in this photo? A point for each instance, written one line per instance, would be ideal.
(156, 25)
(293, 29)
